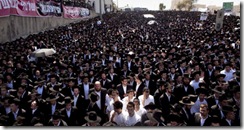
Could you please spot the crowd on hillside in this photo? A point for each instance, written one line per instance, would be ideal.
(122, 71)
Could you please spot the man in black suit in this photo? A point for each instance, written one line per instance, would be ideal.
(217, 109)
(235, 81)
(53, 81)
(23, 95)
(150, 83)
(56, 120)
(139, 85)
(209, 73)
(84, 89)
(5, 108)
(130, 64)
(123, 87)
(186, 110)
(68, 90)
(113, 77)
(184, 89)
(101, 92)
(229, 120)
(10, 82)
(41, 88)
(70, 113)
(235, 101)
(166, 100)
(79, 102)
(52, 106)
(214, 99)
(15, 111)
(124, 72)
(105, 83)
(203, 118)
(34, 111)
(182, 68)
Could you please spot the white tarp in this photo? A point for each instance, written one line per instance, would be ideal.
(148, 16)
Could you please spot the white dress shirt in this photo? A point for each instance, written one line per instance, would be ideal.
(129, 65)
(33, 111)
(86, 91)
(125, 102)
(202, 121)
(68, 112)
(119, 119)
(132, 120)
(53, 108)
(229, 121)
(75, 99)
(147, 101)
(8, 110)
(16, 114)
(195, 84)
(40, 90)
(10, 84)
(137, 86)
(147, 83)
(99, 100)
(228, 75)
(124, 88)
(141, 111)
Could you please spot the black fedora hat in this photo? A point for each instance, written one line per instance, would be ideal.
(52, 98)
(186, 75)
(195, 73)
(155, 116)
(57, 115)
(201, 91)
(56, 88)
(220, 75)
(175, 117)
(186, 101)
(39, 81)
(228, 109)
(92, 117)
(93, 97)
(218, 90)
(68, 100)
(151, 106)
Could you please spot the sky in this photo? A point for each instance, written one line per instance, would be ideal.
(154, 4)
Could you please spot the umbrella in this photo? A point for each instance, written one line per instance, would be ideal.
(131, 53)
(151, 22)
(43, 52)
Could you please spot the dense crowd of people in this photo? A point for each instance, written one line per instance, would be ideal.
(122, 71)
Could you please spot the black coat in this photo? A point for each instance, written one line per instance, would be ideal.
(121, 90)
(211, 101)
(188, 119)
(139, 90)
(115, 80)
(74, 117)
(151, 85)
(165, 103)
(197, 120)
(180, 92)
(107, 84)
(11, 119)
(30, 115)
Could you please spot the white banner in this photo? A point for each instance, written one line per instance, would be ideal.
(219, 20)
(203, 16)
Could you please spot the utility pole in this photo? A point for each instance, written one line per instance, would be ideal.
(100, 3)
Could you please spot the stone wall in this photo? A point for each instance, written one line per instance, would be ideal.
(14, 27)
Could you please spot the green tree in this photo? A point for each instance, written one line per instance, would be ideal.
(186, 4)
(161, 6)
